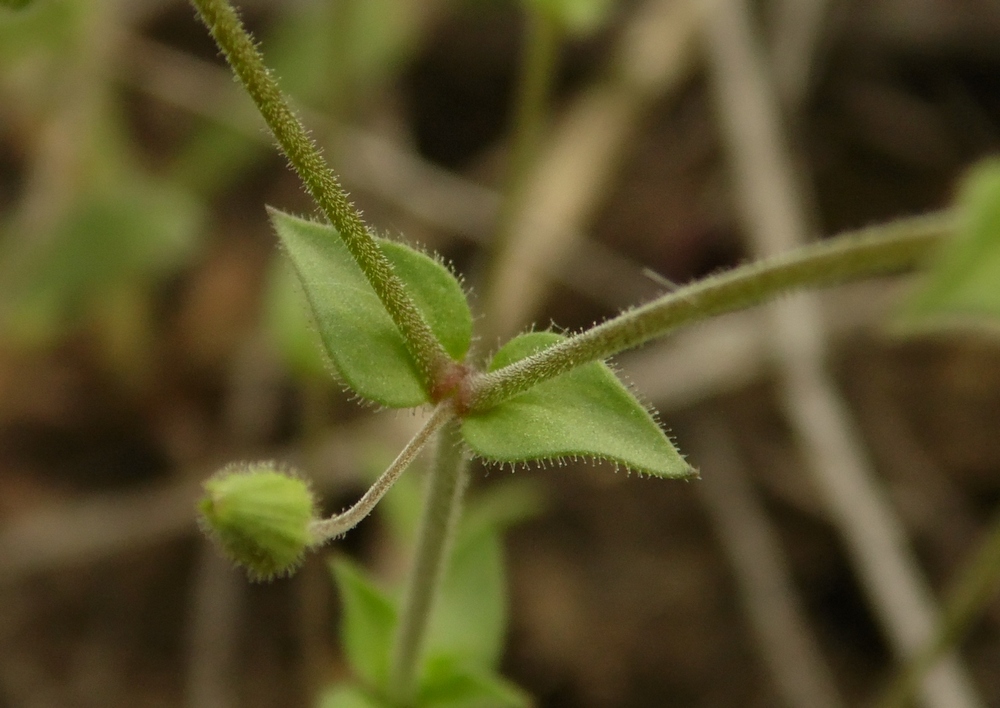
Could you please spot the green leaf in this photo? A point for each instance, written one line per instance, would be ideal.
(360, 337)
(14, 4)
(367, 624)
(470, 619)
(501, 505)
(497, 506)
(963, 287)
(585, 412)
(450, 684)
(348, 696)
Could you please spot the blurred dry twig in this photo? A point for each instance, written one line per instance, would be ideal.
(772, 604)
(772, 207)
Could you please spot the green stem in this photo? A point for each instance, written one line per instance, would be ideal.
(537, 74)
(876, 250)
(339, 524)
(976, 587)
(248, 65)
(442, 508)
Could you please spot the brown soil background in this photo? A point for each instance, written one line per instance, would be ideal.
(621, 594)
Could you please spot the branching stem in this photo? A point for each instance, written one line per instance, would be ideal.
(876, 250)
(328, 529)
(305, 157)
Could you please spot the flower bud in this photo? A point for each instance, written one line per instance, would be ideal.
(260, 515)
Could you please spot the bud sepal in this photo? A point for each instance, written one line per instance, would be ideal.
(260, 515)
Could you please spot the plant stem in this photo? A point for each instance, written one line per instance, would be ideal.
(327, 529)
(872, 251)
(537, 73)
(976, 587)
(442, 507)
(248, 65)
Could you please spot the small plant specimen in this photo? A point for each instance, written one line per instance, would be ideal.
(397, 326)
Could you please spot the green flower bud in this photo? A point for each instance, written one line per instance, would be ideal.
(260, 515)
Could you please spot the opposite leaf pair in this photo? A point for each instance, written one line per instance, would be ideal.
(584, 413)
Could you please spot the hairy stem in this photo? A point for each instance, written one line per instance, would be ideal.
(442, 507)
(327, 529)
(537, 74)
(305, 157)
(872, 251)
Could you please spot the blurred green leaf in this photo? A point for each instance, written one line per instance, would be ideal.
(377, 35)
(497, 506)
(403, 504)
(367, 624)
(470, 619)
(470, 622)
(297, 47)
(586, 412)
(502, 505)
(963, 287)
(51, 25)
(109, 239)
(576, 17)
(14, 4)
(348, 696)
(361, 339)
(450, 684)
(329, 55)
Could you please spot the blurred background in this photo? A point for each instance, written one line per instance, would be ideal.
(149, 334)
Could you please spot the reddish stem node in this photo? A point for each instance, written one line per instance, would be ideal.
(451, 382)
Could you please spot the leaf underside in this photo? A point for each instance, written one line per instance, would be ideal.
(364, 344)
(963, 287)
(586, 412)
